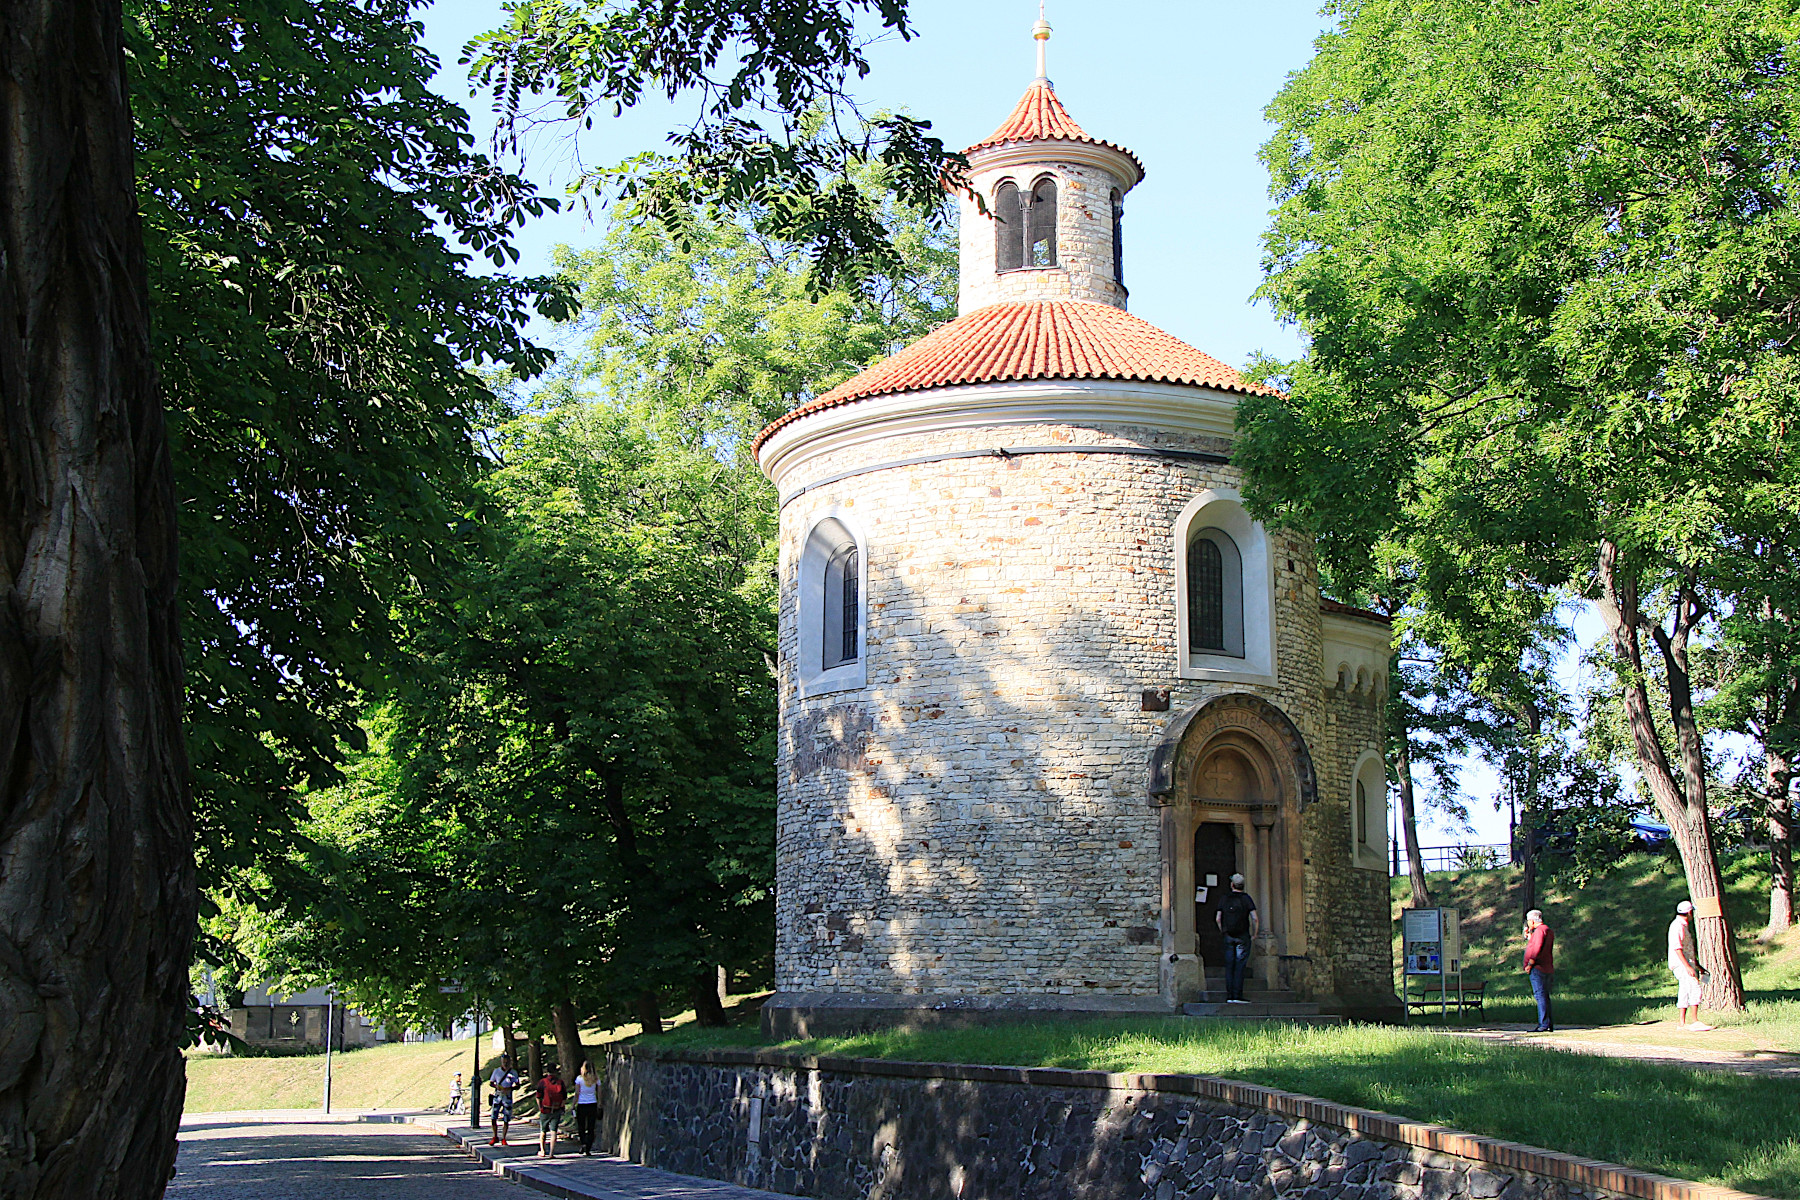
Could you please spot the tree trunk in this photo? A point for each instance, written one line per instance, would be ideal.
(1680, 798)
(649, 1011)
(1778, 775)
(534, 1062)
(509, 1040)
(1533, 720)
(708, 1011)
(97, 891)
(567, 1029)
(1409, 824)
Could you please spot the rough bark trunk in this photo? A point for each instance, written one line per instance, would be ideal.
(1533, 720)
(649, 1012)
(1409, 824)
(534, 1062)
(97, 891)
(1777, 778)
(1680, 797)
(708, 1012)
(569, 1052)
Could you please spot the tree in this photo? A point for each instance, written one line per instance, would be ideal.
(775, 135)
(1540, 254)
(97, 901)
(315, 330)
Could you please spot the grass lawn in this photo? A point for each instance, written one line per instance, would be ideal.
(1713, 1127)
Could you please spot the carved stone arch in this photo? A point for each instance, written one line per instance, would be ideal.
(1243, 713)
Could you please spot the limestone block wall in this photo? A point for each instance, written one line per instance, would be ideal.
(974, 819)
(1357, 952)
(859, 1129)
(1084, 234)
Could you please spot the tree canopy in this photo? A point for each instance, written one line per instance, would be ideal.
(1541, 256)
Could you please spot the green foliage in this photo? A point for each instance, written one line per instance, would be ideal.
(567, 795)
(314, 330)
(776, 133)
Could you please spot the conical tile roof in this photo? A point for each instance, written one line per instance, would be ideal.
(1040, 116)
(1033, 339)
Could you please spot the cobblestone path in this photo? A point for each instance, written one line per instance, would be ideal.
(247, 1158)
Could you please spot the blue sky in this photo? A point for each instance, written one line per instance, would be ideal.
(1182, 84)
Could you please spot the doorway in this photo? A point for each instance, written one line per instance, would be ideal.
(1215, 862)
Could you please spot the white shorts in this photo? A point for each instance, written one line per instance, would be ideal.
(1687, 992)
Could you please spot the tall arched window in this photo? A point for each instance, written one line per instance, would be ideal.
(1215, 594)
(830, 622)
(1118, 215)
(1009, 228)
(1040, 225)
(1362, 814)
(843, 614)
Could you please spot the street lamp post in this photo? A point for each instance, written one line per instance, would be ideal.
(330, 1010)
(475, 1077)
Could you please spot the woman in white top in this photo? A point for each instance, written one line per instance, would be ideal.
(587, 1105)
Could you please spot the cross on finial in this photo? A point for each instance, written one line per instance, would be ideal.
(1041, 33)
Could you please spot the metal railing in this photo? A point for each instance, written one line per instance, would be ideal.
(1466, 856)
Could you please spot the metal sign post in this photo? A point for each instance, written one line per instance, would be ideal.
(1431, 944)
(330, 1008)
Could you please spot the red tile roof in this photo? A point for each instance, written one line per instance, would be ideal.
(1033, 339)
(1039, 116)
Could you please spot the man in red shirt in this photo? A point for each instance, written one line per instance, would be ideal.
(1540, 962)
(551, 1095)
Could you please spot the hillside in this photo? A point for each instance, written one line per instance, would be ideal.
(1610, 934)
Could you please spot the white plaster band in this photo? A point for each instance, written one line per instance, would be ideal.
(1005, 452)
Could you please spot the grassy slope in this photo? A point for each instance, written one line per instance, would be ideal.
(1610, 937)
(1727, 1129)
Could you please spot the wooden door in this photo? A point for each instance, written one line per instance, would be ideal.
(1215, 861)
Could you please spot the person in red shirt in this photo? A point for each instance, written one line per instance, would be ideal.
(551, 1097)
(1540, 963)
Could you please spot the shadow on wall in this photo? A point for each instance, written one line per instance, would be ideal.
(976, 817)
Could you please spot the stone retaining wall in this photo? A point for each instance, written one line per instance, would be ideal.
(862, 1129)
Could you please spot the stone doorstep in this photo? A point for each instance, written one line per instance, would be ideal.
(1583, 1172)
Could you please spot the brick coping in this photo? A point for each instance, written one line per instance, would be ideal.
(1583, 1172)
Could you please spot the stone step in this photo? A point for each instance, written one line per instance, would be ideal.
(1299, 1012)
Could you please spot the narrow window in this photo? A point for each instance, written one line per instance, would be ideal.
(1009, 228)
(1206, 590)
(842, 612)
(1040, 220)
(1215, 586)
(852, 614)
(1118, 214)
(1362, 814)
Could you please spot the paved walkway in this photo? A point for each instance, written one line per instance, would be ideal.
(1655, 1041)
(308, 1156)
(600, 1177)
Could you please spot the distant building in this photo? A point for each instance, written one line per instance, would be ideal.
(1046, 683)
(271, 1019)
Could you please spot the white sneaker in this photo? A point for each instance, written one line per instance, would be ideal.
(1701, 1027)
(1237, 1002)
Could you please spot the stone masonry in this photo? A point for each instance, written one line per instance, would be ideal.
(857, 1129)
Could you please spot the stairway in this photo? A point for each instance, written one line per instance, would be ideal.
(1278, 1004)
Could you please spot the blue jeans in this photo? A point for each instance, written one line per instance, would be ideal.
(1237, 961)
(1540, 987)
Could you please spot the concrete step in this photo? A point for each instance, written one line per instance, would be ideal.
(1294, 1011)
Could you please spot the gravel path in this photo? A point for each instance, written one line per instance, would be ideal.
(1773, 1064)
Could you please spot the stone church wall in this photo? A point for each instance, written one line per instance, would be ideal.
(974, 821)
(857, 1129)
(1084, 240)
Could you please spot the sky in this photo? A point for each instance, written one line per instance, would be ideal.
(1182, 83)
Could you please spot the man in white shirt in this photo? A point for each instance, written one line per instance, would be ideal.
(1684, 961)
(503, 1081)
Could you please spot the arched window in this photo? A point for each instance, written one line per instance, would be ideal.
(1040, 225)
(1215, 593)
(843, 615)
(1369, 813)
(1118, 216)
(829, 621)
(1009, 228)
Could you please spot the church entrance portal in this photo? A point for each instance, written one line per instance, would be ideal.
(1231, 778)
(1215, 862)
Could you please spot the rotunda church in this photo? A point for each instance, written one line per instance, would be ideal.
(1045, 684)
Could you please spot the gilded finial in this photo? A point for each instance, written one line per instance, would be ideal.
(1041, 32)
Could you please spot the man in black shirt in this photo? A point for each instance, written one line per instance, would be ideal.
(1237, 920)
